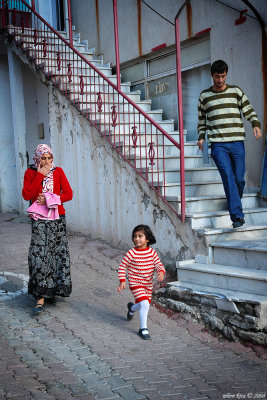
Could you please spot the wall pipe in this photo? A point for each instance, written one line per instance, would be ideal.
(180, 108)
(70, 24)
(117, 44)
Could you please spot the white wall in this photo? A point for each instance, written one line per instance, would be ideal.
(8, 176)
(36, 109)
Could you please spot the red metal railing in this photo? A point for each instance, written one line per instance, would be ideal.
(142, 142)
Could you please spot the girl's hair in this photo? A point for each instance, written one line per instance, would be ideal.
(147, 231)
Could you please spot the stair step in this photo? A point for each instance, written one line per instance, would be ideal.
(194, 188)
(191, 175)
(224, 277)
(216, 231)
(212, 203)
(250, 254)
(250, 232)
(220, 219)
(172, 162)
(230, 295)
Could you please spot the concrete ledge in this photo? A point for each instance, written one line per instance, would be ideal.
(243, 317)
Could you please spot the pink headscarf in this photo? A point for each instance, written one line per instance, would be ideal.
(48, 181)
(39, 151)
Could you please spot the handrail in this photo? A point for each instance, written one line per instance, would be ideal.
(114, 122)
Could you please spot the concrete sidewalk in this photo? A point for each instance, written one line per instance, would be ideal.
(84, 348)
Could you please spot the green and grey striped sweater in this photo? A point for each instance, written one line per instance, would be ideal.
(219, 113)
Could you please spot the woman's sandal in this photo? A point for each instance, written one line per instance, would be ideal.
(144, 336)
(38, 308)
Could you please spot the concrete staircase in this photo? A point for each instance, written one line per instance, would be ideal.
(226, 268)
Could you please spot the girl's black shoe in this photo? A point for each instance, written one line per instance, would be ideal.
(130, 316)
(144, 336)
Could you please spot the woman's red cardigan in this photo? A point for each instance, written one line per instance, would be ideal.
(32, 186)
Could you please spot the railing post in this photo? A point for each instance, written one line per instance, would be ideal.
(70, 24)
(33, 5)
(117, 45)
(180, 115)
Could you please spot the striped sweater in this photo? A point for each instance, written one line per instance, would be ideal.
(219, 114)
(141, 264)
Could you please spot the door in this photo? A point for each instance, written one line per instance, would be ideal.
(52, 11)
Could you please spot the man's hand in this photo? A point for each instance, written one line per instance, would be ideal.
(200, 144)
(121, 287)
(257, 132)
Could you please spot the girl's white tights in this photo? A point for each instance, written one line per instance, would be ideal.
(143, 308)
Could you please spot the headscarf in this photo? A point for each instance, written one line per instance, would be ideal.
(48, 181)
(39, 151)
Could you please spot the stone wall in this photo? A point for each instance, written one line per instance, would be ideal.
(236, 320)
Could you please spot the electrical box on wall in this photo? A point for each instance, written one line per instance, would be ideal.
(41, 130)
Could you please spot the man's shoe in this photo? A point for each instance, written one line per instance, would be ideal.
(143, 335)
(238, 222)
(130, 316)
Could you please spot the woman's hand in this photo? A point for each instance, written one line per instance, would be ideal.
(121, 287)
(41, 199)
(160, 276)
(44, 170)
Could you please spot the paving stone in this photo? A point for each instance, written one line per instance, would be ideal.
(92, 380)
(30, 382)
(79, 390)
(19, 397)
(104, 392)
(81, 370)
(128, 393)
(116, 381)
(14, 389)
(83, 353)
(56, 387)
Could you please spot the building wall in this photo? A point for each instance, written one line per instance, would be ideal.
(239, 45)
(8, 181)
(36, 110)
(21, 117)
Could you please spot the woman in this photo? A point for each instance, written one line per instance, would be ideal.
(49, 261)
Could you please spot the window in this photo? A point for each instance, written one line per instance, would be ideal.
(156, 78)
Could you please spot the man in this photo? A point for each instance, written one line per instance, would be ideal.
(219, 115)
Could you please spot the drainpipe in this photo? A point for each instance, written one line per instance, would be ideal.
(180, 108)
(117, 44)
(264, 62)
(70, 24)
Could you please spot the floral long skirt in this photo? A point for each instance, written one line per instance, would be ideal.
(49, 260)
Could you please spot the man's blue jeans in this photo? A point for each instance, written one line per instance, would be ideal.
(230, 160)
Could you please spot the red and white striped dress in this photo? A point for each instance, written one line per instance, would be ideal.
(140, 265)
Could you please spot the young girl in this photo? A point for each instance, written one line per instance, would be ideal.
(141, 262)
